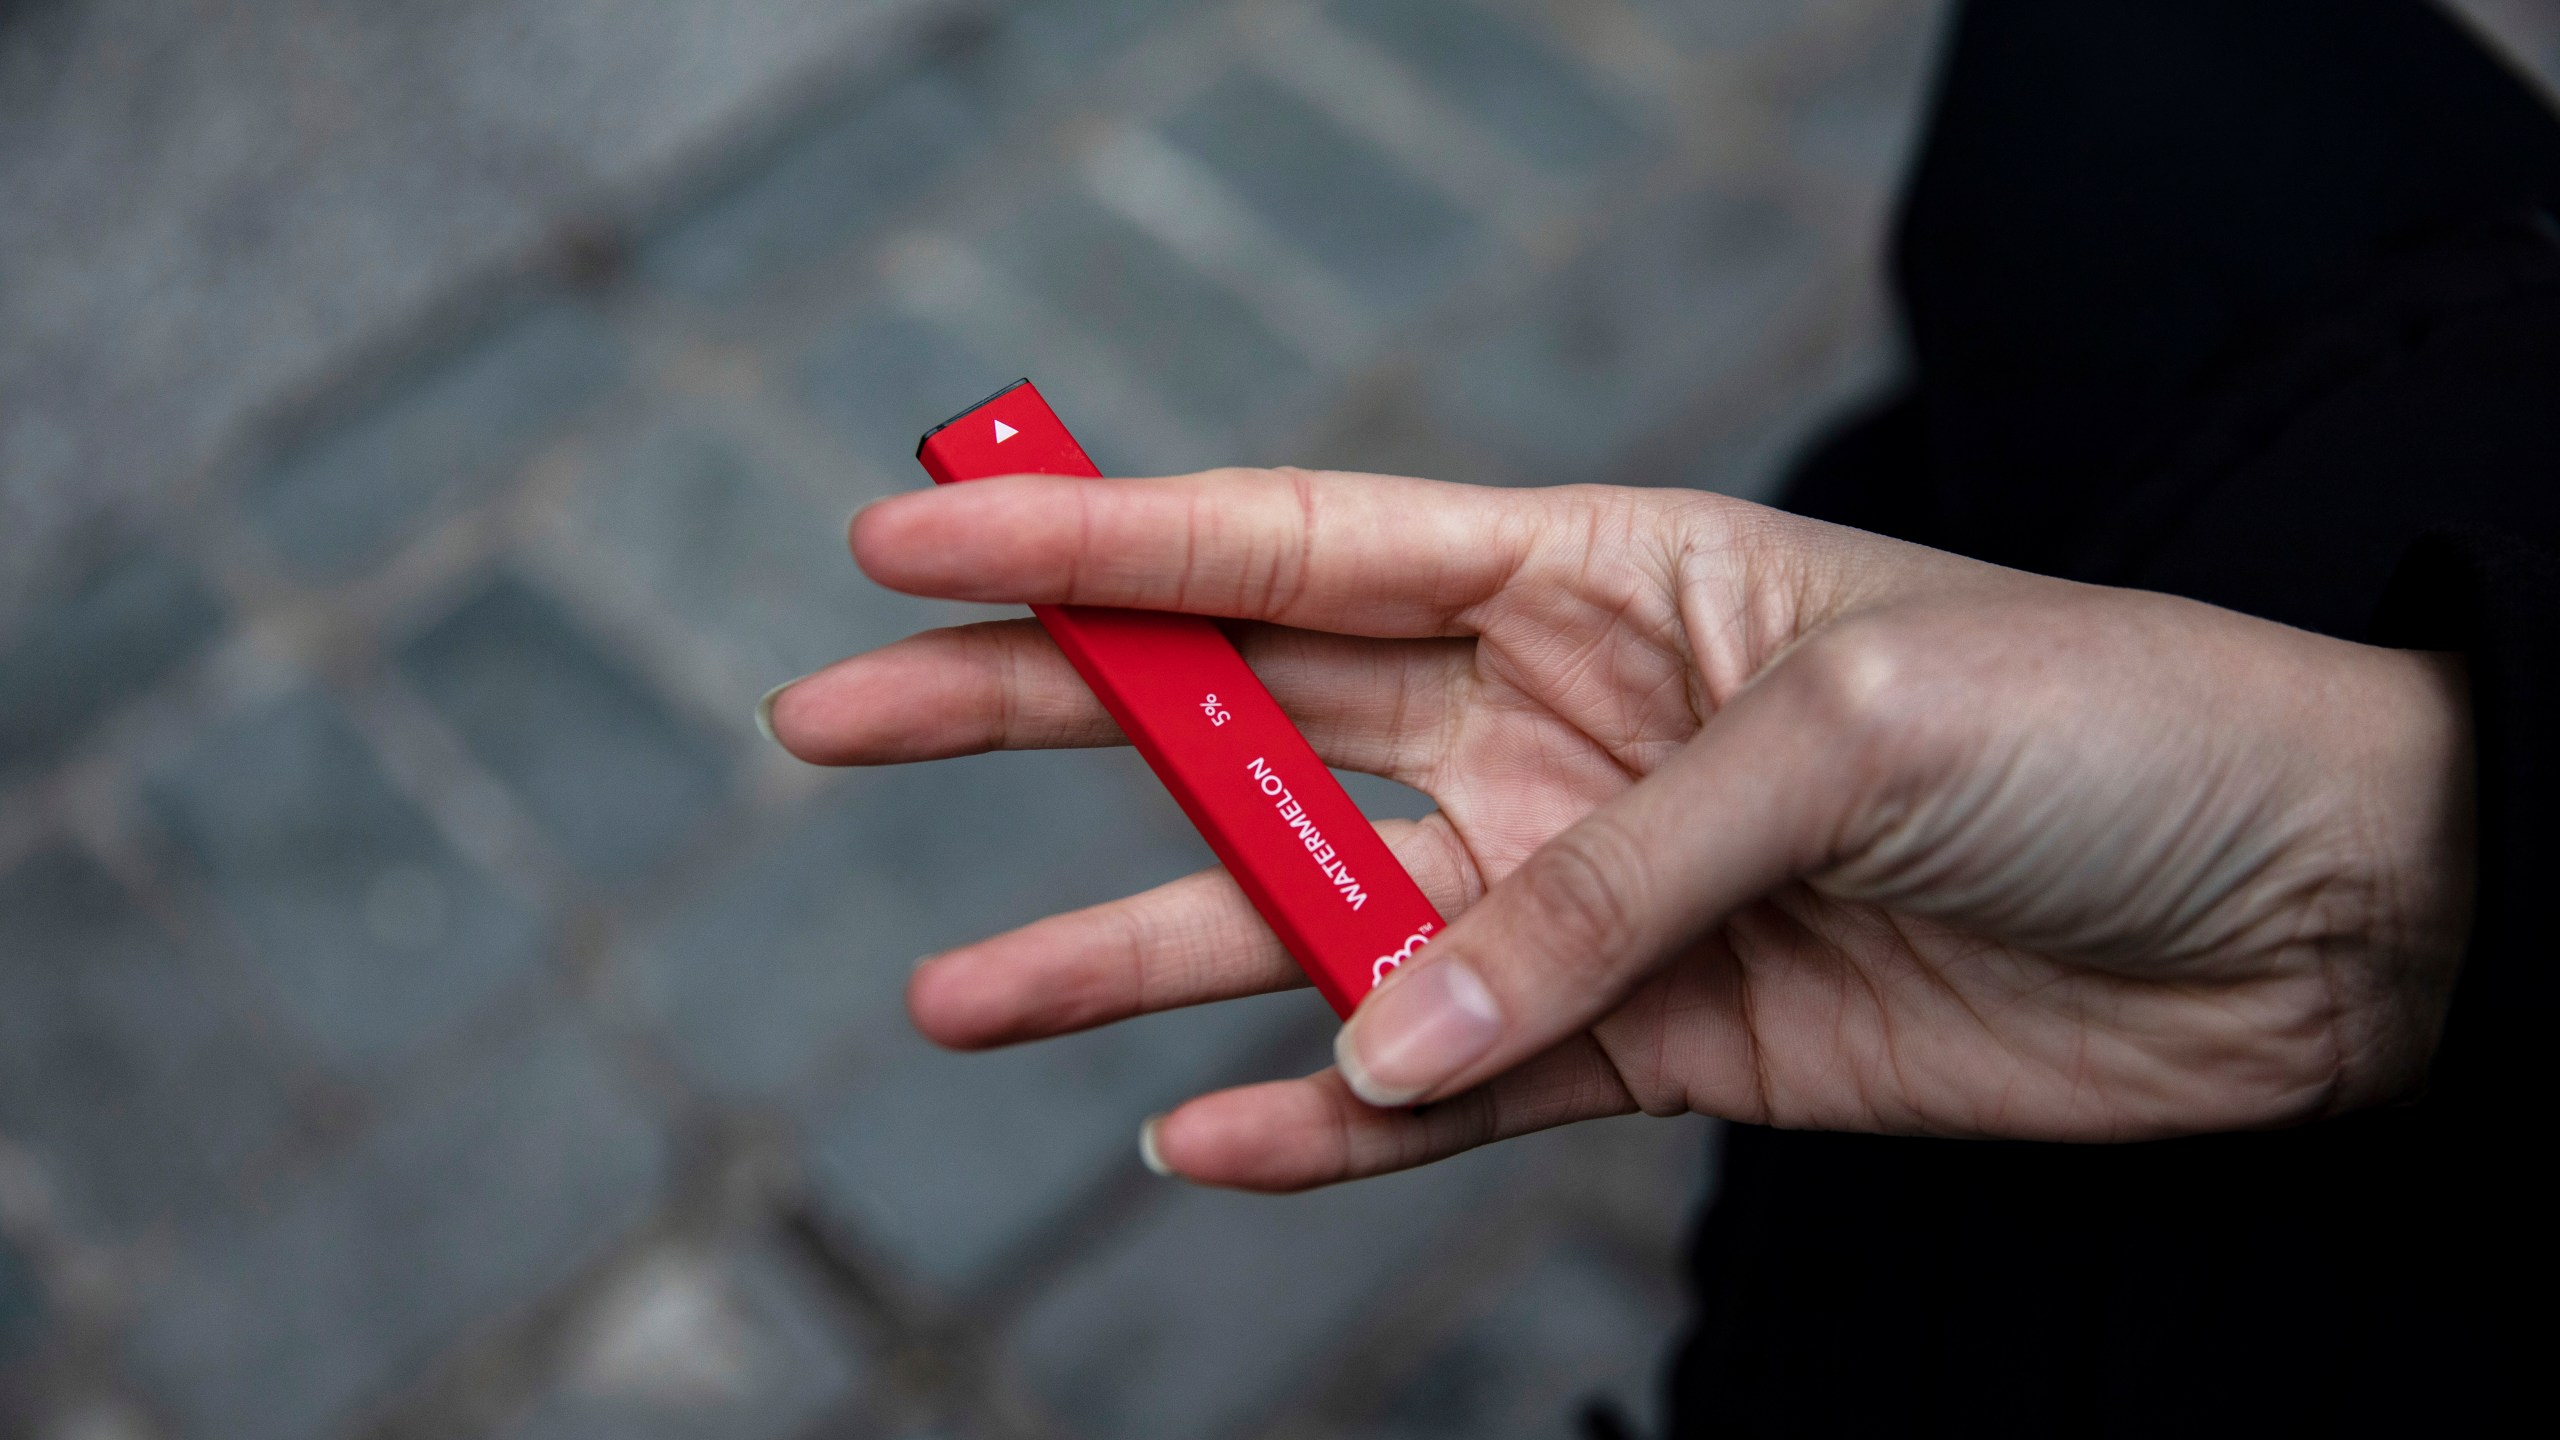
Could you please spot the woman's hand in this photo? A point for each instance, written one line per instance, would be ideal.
(1739, 813)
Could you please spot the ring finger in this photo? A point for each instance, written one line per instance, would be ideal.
(1187, 942)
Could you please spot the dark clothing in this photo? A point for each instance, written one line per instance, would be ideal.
(2257, 303)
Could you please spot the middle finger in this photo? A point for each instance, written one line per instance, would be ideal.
(1384, 707)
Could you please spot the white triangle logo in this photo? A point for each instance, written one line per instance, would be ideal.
(1005, 432)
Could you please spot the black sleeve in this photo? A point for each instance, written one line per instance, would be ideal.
(2495, 598)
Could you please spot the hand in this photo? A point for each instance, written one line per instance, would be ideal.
(1740, 813)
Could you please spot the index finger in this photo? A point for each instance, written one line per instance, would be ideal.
(1355, 554)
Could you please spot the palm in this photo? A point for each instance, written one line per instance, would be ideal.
(1808, 1010)
(1571, 696)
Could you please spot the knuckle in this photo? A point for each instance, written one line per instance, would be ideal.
(1296, 544)
(1893, 710)
(1471, 1119)
(1253, 558)
(1856, 686)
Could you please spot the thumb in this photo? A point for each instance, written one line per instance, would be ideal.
(1754, 800)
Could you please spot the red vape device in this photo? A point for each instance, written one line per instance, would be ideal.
(1279, 821)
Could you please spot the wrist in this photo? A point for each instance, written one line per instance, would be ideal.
(2416, 828)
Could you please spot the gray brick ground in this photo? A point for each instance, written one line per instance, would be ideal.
(376, 935)
(1031, 56)
(1514, 81)
(805, 951)
(1384, 232)
(753, 559)
(852, 169)
(210, 215)
(471, 1199)
(883, 378)
(21, 1304)
(1657, 313)
(821, 191)
(453, 428)
(122, 1070)
(811, 940)
(1015, 1137)
(1574, 1327)
(802, 947)
(728, 1344)
(1197, 1320)
(131, 621)
(1192, 342)
(608, 768)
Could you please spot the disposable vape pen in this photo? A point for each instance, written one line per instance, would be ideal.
(1276, 817)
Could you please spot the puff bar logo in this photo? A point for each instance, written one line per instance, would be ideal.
(1415, 941)
(1302, 852)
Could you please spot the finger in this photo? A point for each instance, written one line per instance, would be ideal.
(963, 690)
(1297, 1134)
(1359, 554)
(1382, 707)
(1756, 799)
(1189, 942)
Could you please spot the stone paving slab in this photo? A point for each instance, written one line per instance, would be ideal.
(1195, 344)
(616, 776)
(820, 192)
(21, 1304)
(451, 431)
(885, 377)
(726, 1343)
(1596, 359)
(374, 933)
(741, 548)
(1383, 232)
(801, 948)
(981, 323)
(1555, 1341)
(1195, 1321)
(69, 664)
(806, 945)
(847, 173)
(1505, 76)
(953, 1164)
(131, 1077)
(473, 1195)
(213, 213)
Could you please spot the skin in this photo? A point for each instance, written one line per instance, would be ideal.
(1740, 813)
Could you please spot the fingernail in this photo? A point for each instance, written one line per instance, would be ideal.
(764, 710)
(1413, 1035)
(1147, 1148)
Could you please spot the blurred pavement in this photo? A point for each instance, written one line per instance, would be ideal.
(427, 1007)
